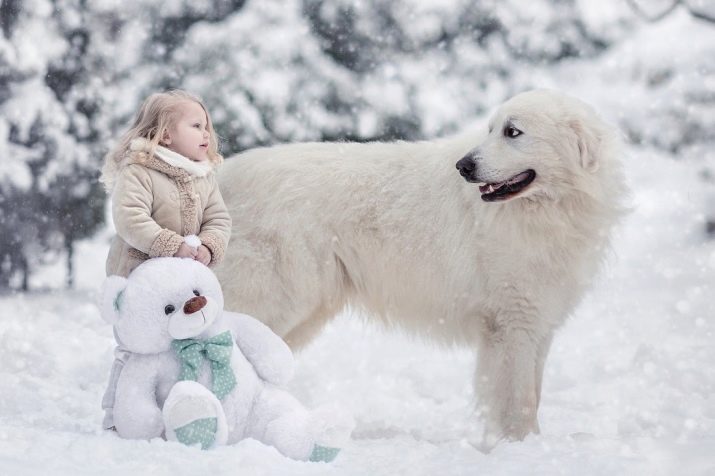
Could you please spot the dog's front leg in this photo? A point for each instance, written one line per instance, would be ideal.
(542, 354)
(508, 379)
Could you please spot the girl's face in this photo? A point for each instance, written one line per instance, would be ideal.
(189, 135)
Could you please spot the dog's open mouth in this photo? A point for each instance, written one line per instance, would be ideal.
(493, 192)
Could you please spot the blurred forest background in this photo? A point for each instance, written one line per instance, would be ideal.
(72, 73)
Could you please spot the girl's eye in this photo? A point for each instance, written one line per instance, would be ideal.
(196, 292)
(511, 132)
(169, 309)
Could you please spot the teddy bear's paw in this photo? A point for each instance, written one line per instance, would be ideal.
(323, 454)
(198, 432)
(194, 416)
(332, 427)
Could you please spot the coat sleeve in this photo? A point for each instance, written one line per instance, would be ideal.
(131, 211)
(269, 354)
(216, 225)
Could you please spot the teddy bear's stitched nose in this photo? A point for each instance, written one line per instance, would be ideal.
(194, 304)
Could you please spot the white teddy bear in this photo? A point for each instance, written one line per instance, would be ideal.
(201, 375)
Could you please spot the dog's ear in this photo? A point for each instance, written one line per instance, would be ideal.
(111, 298)
(589, 144)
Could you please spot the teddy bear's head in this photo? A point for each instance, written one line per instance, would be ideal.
(162, 299)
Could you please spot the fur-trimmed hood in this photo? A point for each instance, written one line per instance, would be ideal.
(165, 160)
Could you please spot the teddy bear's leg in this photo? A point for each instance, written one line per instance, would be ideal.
(281, 421)
(193, 415)
(332, 428)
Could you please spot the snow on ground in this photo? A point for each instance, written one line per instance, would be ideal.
(629, 385)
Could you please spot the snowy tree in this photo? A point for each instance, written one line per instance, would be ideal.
(682, 119)
(276, 71)
(310, 69)
(47, 134)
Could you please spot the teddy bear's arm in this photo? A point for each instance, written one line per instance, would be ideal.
(136, 412)
(269, 354)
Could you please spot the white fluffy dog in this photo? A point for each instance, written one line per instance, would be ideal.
(392, 228)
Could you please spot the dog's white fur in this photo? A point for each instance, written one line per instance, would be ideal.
(393, 229)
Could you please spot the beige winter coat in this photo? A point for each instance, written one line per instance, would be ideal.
(155, 205)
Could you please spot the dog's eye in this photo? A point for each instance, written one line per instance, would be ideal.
(169, 309)
(511, 132)
(196, 292)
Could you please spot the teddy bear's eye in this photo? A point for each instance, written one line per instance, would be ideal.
(196, 292)
(169, 309)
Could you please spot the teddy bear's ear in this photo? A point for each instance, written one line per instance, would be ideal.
(112, 292)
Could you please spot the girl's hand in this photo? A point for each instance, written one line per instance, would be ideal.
(203, 255)
(186, 251)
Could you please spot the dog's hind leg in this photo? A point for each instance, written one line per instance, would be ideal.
(309, 328)
(332, 303)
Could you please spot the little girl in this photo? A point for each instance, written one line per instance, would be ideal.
(161, 176)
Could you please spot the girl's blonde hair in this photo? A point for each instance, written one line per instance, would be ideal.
(157, 114)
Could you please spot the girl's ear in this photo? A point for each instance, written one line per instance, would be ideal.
(111, 298)
(165, 137)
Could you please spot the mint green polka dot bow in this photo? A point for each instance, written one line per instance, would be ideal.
(217, 350)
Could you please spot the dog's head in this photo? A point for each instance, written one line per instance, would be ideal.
(540, 144)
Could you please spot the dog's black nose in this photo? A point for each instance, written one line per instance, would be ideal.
(466, 166)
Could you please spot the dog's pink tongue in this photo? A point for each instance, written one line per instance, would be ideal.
(519, 178)
(493, 187)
